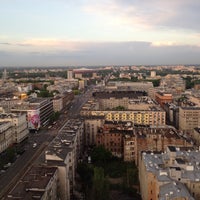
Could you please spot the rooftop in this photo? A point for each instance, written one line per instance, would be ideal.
(63, 142)
(174, 190)
(33, 184)
(119, 94)
(9, 115)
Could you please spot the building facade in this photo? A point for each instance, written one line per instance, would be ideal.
(64, 152)
(5, 135)
(173, 174)
(163, 98)
(13, 129)
(189, 118)
(38, 111)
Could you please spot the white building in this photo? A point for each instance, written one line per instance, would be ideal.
(18, 125)
(70, 74)
(5, 135)
(64, 152)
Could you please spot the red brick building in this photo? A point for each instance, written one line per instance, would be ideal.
(163, 98)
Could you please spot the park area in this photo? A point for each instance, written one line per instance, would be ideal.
(108, 177)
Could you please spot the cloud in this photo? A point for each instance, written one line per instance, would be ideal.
(5, 43)
(176, 14)
(106, 53)
(164, 43)
(44, 44)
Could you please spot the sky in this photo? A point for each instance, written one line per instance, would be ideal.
(99, 32)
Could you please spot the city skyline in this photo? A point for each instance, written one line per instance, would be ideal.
(114, 32)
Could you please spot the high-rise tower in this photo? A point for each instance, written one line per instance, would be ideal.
(70, 74)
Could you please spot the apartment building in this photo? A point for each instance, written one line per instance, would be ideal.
(196, 135)
(70, 74)
(67, 97)
(126, 141)
(154, 116)
(62, 85)
(132, 106)
(173, 174)
(174, 82)
(13, 129)
(129, 144)
(5, 135)
(92, 125)
(163, 98)
(39, 182)
(38, 110)
(118, 138)
(189, 118)
(8, 103)
(57, 104)
(129, 86)
(112, 140)
(157, 139)
(172, 114)
(64, 152)
(110, 100)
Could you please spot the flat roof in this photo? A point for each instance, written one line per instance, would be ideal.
(33, 184)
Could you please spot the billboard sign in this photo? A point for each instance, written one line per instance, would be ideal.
(34, 119)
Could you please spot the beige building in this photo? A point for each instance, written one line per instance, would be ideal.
(174, 82)
(155, 116)
(57, 104)
(129, 86)
(92, 125)
(129, 147)
(78, 75)
(5, 135)
(70, 74)
(19, 125)
(196, 135)
(130, 106)
(82, 84)
(189, 118)
(7, 104)
(62, 85)
(157, 139)
(110, 100)
(173, 174)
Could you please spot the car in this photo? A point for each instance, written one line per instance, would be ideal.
(2, 171)
(6, 166)
(34, 145)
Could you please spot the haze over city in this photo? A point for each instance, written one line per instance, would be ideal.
(114, 32)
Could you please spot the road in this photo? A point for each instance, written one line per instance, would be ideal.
(78, 102)
(42, 139)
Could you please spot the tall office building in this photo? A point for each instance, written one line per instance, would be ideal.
(70, 74)
(153, 74)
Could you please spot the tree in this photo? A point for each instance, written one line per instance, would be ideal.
(85, 172)
(54, 117)
(100, 190)
(101, 156)
(120, 108)
(131, 177)
(76, 92)
(189, 83)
